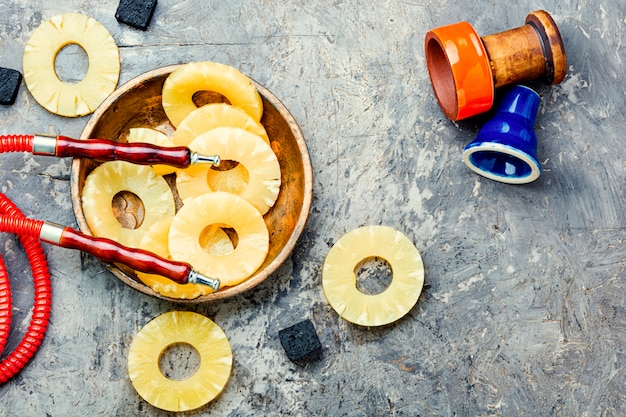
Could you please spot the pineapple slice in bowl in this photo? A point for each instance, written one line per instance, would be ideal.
(220, 208)
(185, 81)
(256, 177)
(121, 201)
(138, 104)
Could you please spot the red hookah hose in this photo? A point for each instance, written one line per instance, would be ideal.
(12, 220)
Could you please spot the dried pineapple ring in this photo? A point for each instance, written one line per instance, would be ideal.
(71, 99)
(156, 241)
(111, 178)
(220, 208)
(165, 330)
(154, 137)
(256, 178)
(215, 115)
(339, 276)
(180, 86)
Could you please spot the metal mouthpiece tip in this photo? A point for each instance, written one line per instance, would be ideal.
(197, 158)
(197, 278)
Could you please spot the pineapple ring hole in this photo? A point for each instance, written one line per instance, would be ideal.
(203, 97)
(128, 209)
(209, 244)
(230, 176)
(71, 63)
(179, 361)
(373, 275)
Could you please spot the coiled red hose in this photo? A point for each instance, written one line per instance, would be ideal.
(16, 143)
(12, 220)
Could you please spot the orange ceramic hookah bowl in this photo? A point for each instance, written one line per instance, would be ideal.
(465, 69)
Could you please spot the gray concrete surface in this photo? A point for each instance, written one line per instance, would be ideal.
(523, 312)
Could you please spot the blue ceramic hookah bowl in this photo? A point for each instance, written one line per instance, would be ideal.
(505, 148)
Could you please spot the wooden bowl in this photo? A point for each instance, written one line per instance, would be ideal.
(138, 104)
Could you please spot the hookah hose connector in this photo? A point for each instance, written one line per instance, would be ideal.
(111, 251)
(106, 150)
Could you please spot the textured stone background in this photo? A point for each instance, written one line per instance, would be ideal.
(523, 312)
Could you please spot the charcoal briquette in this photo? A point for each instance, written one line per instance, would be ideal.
(136, 13)
(301, 342)
(10, 80)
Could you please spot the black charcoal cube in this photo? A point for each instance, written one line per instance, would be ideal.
(301, 343)
(136, 13)
(9, 85)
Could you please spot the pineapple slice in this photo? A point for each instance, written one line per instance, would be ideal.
(223, 209)
(153, 137)
(71, 99)
(216, 241)
(215, 115)
(110, 179)
(191, 78)
(180, 327)
(339, 276)
(256, 177)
